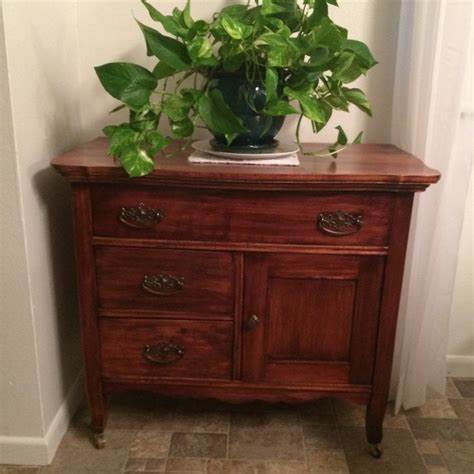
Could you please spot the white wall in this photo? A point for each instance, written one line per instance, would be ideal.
(42, 63)
(18, 376)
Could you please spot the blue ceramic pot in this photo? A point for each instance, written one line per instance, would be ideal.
(247, 100)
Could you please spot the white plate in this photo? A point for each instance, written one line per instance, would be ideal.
(282, 150)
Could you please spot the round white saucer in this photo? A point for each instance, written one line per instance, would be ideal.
(283, 149)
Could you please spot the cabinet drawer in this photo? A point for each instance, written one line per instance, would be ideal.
(165, 348)
(238, 216)
(165, 280)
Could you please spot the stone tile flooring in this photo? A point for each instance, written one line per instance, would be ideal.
(155, 435)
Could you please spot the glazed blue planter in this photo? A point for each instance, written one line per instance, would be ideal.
(247, 100)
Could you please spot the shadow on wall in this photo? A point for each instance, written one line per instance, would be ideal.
(55, 194)
(374, 129)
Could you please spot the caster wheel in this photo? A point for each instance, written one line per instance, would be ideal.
(99, 441)
(375, 451)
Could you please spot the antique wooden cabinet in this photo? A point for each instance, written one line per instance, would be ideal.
(242, 282)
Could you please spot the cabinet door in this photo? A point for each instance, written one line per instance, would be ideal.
(310, 319)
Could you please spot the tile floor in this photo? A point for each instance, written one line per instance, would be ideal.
(156, 435)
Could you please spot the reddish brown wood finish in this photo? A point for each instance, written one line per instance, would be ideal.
(206, 279)
(358, 167)
(87, 301)
(388, 316)
(312, 311)
(271, 307)
(207, 348)
(236, 216)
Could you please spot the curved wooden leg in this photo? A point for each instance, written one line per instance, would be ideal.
(99, 440)
(374, 424)
(98, 407)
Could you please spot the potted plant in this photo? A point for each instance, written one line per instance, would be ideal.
(238, 75)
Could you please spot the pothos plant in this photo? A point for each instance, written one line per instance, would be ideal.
(303, 59)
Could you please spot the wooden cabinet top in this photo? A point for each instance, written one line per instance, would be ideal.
(358, 167)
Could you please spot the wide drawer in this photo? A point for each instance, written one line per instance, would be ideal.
(241, 216)
(165, 280)
(165, 348)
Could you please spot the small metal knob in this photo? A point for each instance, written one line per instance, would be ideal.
(252, 322)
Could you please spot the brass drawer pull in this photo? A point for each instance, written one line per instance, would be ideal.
(162, 284)
(339, 223)
(140, 217)
(163, 353)
(252, 322)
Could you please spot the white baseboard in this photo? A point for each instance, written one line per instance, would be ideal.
(38, 450)
(460, 366)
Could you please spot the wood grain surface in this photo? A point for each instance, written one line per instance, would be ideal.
(357, 167)
(233, 281)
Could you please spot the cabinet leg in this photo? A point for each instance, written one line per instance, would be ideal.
(99, 440)
(374, 424)
(98, 409)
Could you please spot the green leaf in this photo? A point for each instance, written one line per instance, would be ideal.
(358, 98)
(280, 107)
(362, 50)
(358, 139)
(163, 70)
(109, 130)
(199, 28)
(311, 107)
(333, 151)
(234, 62)
(129, 83)
(271, 84)
(121, 137)
(216, 114)
(234, 28)
(168, 22)
(278, 26)
(269, 7)
(156, 142)
(230, 137)
(351, 73)
(191, 95)
(166, 49)
(342, 64)
(326, 34)
(188, 21)
(272, 39)
(176, 107)
(183, 128)
(278, 56)
(333, 2)
(136, 161)
(200, 48)
(336, 102)
(235, 11)
(320, 11)
(319, 56)
(116, 109)
(341, 136)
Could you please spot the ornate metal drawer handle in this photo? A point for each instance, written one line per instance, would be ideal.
(162, 284)
(163, 353)
(339, 222)
(140, 217)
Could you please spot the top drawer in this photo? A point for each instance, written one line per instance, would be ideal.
(241, 216)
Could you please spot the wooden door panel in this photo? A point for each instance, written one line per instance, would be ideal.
(309, 319)
(318, 318)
